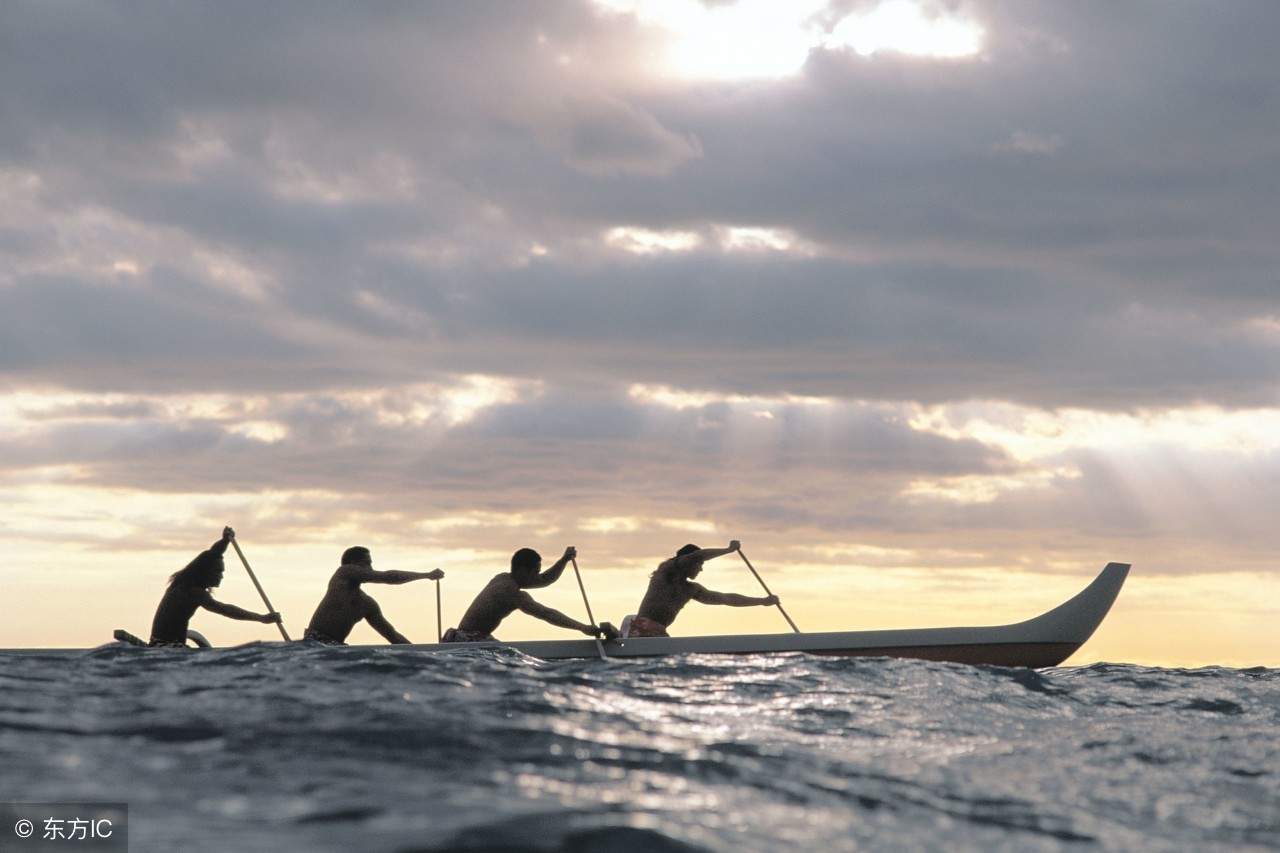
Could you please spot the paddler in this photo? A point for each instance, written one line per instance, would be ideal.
(506, 594)
(345, 604)
(190, 589)
(671, 587)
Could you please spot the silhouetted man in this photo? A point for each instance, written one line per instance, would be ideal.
(190, 589)
(671, 587)
(505, 594)
(344, 603)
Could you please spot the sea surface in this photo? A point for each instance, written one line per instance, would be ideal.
(310, 748)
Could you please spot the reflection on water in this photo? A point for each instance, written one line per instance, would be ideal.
(301, 747)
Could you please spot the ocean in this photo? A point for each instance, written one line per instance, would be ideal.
(310, 748)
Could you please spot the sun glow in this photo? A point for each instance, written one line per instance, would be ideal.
(717, 237)
(263, 418)
(1147, 445)
(911, 28)
(978, 489)
(679, 400)
(1029, 435)
(753, 39)
(645, 241)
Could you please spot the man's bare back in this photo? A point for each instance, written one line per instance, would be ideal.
(345, 604)
(501, 597)
(671, 587)
(505, 594)
(666, 597)
(189, 590)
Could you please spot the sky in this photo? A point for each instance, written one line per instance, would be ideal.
(938, 307)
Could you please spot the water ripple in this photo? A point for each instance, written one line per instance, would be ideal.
(309, 747)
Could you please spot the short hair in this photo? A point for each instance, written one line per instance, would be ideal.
(524, 560)
(356, 554)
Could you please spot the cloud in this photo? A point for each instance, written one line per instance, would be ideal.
(400, 269)
(606, 137)
(956, 485)
(344, 199)
(357, 187)
(1028, 142)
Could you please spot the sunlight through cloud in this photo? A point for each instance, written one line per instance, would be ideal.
(674, 398)
(760, 39)
(746, 39)
(751, 239)
(261, 417)
(908, 27)
(643, 241)
(264, 432)
(1030, 434)
(980, 489)
(719, 237)
(1043, 443)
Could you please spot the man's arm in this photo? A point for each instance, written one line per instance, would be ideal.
(551, 575)
(708, 554)
(705, 596)
(555, 617)
(365, 574)
(220, 547)
(373, 614)
(208, 602)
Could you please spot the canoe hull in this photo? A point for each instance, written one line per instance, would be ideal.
(1046, 640)
(974, 654)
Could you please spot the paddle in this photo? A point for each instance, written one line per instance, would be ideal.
(439, 635)
(766, 590)
(262, 593)
(590, 618)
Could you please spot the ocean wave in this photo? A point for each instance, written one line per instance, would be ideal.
(268, 746)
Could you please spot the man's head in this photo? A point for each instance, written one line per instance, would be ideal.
(690, 568)
(525, 565)
(357, 555)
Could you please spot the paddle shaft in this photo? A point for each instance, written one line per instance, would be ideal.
(261, 592)
(439, 635)
(765, 587)
(577, 574)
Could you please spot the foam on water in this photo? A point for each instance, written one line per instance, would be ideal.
(293, 747)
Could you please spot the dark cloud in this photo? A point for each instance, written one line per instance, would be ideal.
(991, 228)
(131, 337)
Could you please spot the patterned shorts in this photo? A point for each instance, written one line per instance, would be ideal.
(316, 636)
(453, 635)
(643, 626)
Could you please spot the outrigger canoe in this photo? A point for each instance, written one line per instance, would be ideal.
(1047, 640)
